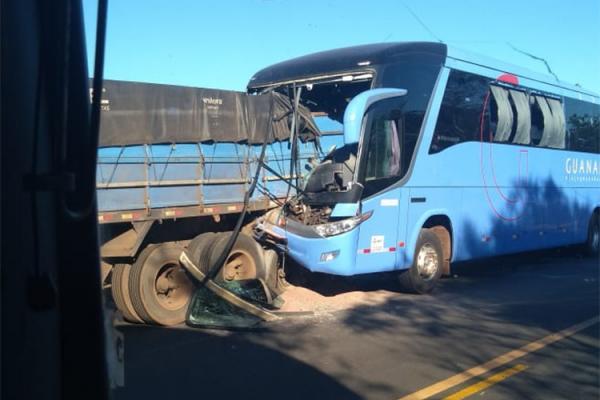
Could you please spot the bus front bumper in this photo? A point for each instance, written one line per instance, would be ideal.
(334, 255)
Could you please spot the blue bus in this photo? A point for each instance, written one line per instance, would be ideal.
(447, 156)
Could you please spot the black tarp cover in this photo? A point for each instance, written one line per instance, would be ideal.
(147, 113)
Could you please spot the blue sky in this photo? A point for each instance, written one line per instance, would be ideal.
(220, 44)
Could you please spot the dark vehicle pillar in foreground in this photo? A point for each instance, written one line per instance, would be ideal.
(52, 319)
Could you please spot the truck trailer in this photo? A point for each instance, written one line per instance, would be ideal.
(174, 164)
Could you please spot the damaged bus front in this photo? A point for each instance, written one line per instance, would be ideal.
(348, 219)
(447, 156)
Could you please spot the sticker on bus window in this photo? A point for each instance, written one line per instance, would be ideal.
(377, 244)
(389, 203)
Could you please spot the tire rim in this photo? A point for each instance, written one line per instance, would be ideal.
(172, 287)
(427, 262)
(240, 265)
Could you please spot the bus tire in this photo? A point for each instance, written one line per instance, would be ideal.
(120, 292)
(592, 244)
(160, 288)
(427, 266)
(245, 261)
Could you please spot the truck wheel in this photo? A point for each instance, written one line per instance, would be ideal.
(275, 276)
(592, 244)
(198, 250)
(427, 265)
(120, 292)
(245, 261)
(160, 288)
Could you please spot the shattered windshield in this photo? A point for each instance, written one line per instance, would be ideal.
(327, 125)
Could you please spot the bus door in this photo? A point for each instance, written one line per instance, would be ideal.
(379, 169)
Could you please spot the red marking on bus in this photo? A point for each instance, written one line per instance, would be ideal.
(508, 78)
(498, 189)
(366, 251)
(400, 244)
(481, 151)
(392, 249)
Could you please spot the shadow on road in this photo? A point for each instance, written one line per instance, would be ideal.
(492, 306)
(189, 363)
(384, 351)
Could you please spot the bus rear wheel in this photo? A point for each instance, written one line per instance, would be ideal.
(592, 244)
(427, 266)
(160, 288)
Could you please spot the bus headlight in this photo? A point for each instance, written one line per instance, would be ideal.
(342, 226)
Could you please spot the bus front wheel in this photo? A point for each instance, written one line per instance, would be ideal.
(427, 266)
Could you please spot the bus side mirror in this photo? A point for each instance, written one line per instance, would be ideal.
(359, 105)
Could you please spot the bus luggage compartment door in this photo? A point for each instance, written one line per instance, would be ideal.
(378, 236)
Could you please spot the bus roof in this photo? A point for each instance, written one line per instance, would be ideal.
(364, 56)
(344, 59)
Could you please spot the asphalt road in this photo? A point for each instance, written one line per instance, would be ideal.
(408, 343)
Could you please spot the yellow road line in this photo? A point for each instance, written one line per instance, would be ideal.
(499, 361)
(486, 383)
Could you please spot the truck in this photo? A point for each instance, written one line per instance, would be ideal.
(173, 167)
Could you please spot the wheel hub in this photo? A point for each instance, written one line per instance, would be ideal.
(427, 261)
(172, 287)
(239, 266)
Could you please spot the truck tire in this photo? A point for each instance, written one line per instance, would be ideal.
(160, 288)
(275, 281)
(120, 292)
(245, 261)
(592, 244)
(427, 266)
(198, 250)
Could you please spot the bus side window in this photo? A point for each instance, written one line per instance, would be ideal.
(502, 120)
(583, 123)
(520, 101)
(510, 116)
(382, 160)
(537, 121)
(459, 119)
(553, 135)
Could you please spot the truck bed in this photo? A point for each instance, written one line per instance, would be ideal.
(143, 182)
(176, 151)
